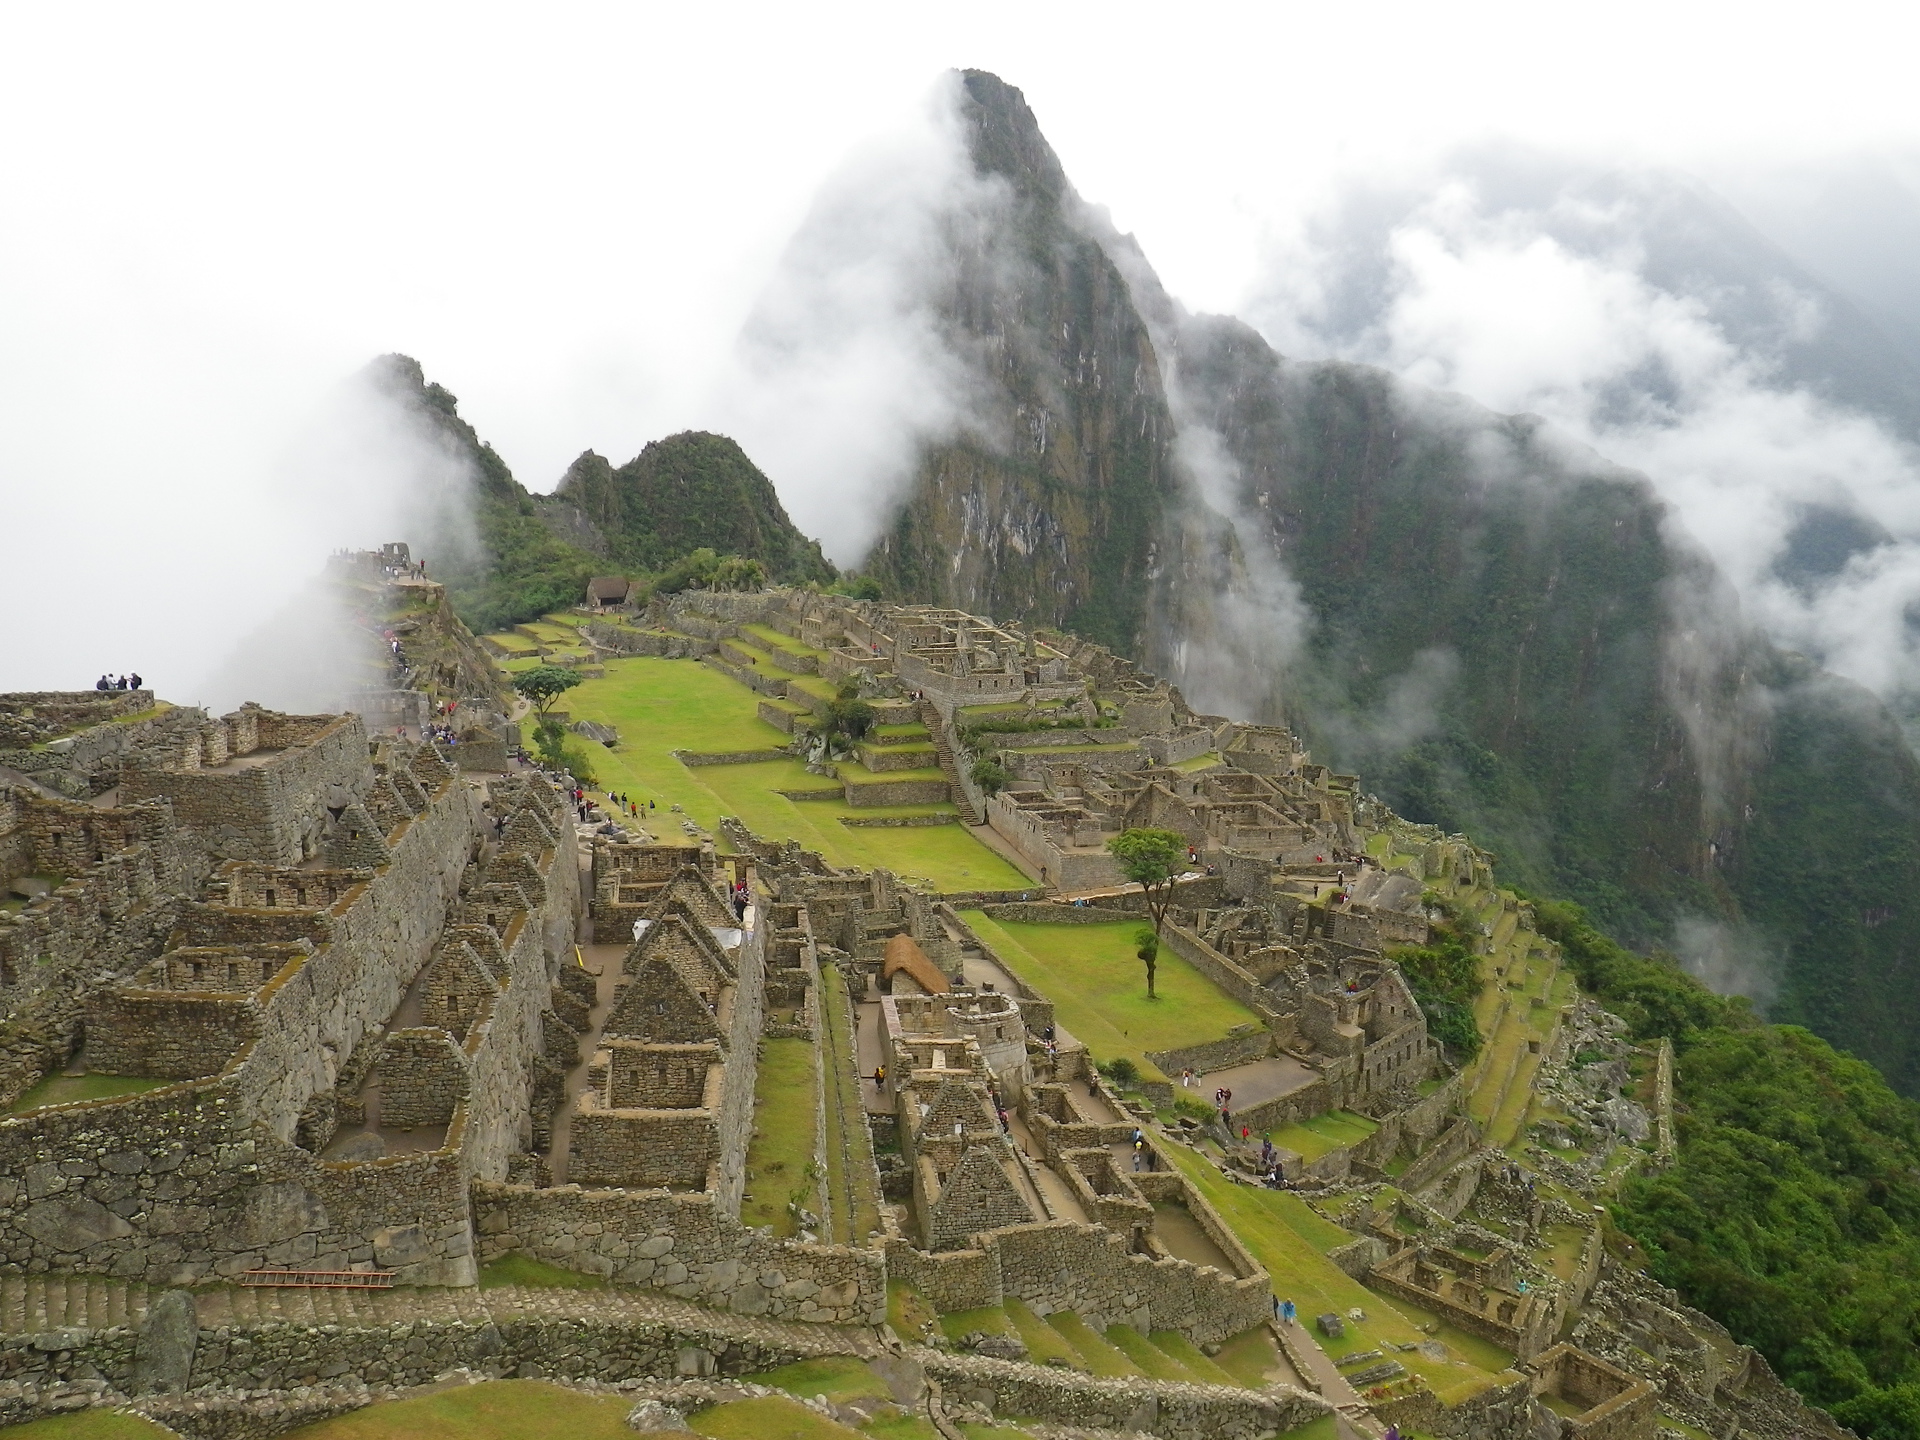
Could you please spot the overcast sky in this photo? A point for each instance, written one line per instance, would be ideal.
(214, 214)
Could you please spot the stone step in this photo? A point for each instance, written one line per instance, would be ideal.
(36, 1303)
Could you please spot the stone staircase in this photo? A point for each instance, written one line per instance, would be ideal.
(949, 766)
(39, 1304)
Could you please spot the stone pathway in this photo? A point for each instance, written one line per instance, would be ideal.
(1255, 1082)
(32, 1305)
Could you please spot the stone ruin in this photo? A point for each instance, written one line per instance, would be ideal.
(336, 977)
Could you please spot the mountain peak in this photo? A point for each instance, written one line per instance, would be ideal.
(1004, 138)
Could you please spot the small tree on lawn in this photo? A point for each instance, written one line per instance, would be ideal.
(1149, 953)
(544, 684)
(1151, 859)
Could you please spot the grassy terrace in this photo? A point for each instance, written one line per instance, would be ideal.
(781, 1151)
(660, 706)
(772, 639)
(1310, 1139)
(1099, 990)
(70, 1089)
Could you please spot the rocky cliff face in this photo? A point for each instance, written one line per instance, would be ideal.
(1050, 512)
(1503, 632)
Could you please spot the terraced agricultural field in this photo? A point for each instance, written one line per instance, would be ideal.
(659, 706)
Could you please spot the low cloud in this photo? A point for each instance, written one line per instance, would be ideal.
(843, 371)
(1731, 959)
(1595, 304)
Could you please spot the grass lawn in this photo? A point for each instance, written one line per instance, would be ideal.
(69, 1089)
(1098, 987)
(1310, 1139)
(908, 1312)
(1149, 1359)
(1100, 1355)
(521, 1269)
(87, 1425)
(1290, 1240)
(1327, 1427)
(1199, 762)
(1042, 1340)
(860, 775)
(771, 1417)
(854, 1207)
(838, 1377)
(783, 1135)
(1182, 1351)
(660, 706)
(494, 1410)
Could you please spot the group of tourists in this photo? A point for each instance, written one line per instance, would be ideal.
(1223, 1102)
(125, 682)
(631, 808)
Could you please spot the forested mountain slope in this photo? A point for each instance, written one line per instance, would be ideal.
(534, 553)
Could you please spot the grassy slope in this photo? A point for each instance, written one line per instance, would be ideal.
(660, 706)
(88, 1425)
(1098, 987)
(1290, 1241)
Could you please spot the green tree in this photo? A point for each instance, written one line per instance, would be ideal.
(1148, 950)
(1150, 859)
(544, 684)
(990, 775)
(555, 750)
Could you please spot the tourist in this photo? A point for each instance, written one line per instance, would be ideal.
(879, 1077)
(101, 684)
(1186, 1078)
(1393, 1432)
(136, 682)
(1287, 1312)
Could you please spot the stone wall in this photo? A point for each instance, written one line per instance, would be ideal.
(124, 869)
(877, 793)
(1156, 1407)
(422, 1078)
(270, 811)
(1214, 1054)
(1060, 1265)
(201, 1178)
(167, 1034)
(644, 1147)
(284, 1357)
(685, 1245)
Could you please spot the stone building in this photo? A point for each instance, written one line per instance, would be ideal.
(334, 1053)
(669, 1093)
